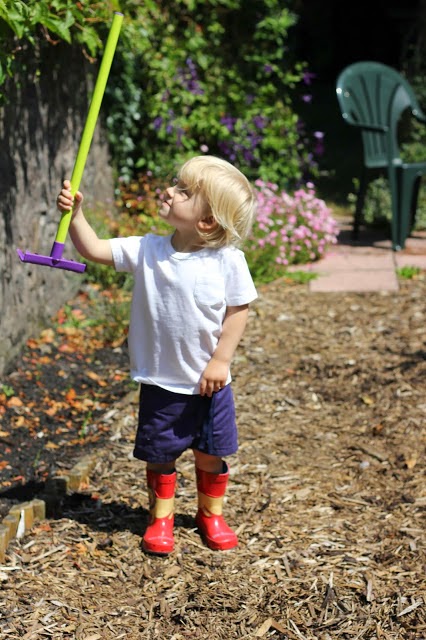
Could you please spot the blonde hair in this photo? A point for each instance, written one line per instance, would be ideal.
(228, 194)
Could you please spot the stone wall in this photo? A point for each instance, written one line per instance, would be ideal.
(40, 130)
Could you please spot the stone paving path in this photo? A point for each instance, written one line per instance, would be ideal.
(369, 264)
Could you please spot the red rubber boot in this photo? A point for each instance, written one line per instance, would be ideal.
(158, 537)
(213, 528)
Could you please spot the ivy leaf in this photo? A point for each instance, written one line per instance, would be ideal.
(58, 27)
(15, 16)
(91, 40)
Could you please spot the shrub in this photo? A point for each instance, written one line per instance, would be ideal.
(378, 203)
(186, 79)
(42, 23)
(191, 81)
(289, 229)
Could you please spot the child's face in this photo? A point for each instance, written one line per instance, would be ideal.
(182, 209)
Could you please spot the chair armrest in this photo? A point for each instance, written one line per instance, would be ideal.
(364, 125)
(419, 115)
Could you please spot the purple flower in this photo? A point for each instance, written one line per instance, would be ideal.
(319, 148)
(158, 121)
(179, 136)
(307, 98)
(188, 77)
(260, 121)
(308, 76)
(228, 122)
(248, 156)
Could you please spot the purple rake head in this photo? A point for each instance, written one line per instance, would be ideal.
(55, 259)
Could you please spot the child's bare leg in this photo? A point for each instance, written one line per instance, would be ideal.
(166, 467)
(206, 462)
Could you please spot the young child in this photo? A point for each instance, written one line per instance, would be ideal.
(189, 311)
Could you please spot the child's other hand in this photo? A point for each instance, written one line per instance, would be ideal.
(65, 201)
(214, 377)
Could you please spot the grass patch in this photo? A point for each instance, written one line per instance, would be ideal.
(300, 277)
(408, 272)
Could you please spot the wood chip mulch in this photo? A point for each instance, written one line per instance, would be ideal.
(327, 494)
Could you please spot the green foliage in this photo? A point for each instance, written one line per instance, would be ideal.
(7, 390)
(413, 150)
(378, 203)
(289, 230)
(408, 272)
(300, 277)
(198, 76)
(111, 310)
(192, 80)
(37, 23)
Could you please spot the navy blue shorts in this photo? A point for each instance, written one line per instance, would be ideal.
(170, 423)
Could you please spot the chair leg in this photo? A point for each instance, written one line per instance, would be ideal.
(414, 202)
(359, 205)
(395, 182)
(409, 191)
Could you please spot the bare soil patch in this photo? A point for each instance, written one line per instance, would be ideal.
(327, 494)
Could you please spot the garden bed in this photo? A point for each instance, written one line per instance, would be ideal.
(327, 495)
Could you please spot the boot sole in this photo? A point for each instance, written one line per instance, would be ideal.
(217, 547)
(156, 552)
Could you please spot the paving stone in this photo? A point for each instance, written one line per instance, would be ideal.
(355, 281)
(410, 260)
(366, 265)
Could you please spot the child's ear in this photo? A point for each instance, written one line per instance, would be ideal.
(208, 223)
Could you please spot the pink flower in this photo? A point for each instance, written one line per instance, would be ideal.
(294, 227)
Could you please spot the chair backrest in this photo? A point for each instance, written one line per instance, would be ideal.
(371, 94)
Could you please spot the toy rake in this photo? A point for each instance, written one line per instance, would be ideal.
(55, 259)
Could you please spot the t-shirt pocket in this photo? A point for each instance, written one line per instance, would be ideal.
(210, 291)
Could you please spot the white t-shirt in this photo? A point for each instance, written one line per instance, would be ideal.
(178, 306)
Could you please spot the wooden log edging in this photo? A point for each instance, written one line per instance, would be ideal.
(21, 517)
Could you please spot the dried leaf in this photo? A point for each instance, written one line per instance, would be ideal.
(51, 445)
(411, 461)
(14, 401)
(70, 396)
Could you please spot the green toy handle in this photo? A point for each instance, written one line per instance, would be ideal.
(92, 116)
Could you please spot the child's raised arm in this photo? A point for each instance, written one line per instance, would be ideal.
(82, 234)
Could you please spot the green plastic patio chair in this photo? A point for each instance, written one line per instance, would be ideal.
(373, 97)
